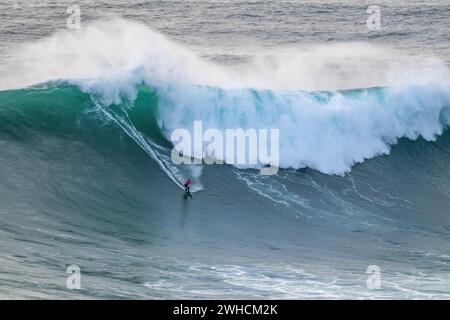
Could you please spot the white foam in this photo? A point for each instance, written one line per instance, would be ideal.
(328, 133)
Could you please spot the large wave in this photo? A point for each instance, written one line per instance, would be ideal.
(304, 93)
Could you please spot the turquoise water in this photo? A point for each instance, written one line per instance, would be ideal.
(85, 121)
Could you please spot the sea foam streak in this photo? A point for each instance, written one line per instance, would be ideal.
(299, 91)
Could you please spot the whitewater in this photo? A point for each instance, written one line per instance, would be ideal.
(87, 179)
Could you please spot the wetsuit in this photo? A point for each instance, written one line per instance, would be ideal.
(186, 185)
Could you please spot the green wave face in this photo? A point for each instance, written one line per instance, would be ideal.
(64, 110)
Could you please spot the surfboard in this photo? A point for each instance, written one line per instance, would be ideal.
(187, 193)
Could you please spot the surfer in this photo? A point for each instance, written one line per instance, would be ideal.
(186, 186)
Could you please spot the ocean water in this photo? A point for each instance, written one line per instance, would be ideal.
(86, 176)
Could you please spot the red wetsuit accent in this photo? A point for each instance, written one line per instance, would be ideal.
(187, 183)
